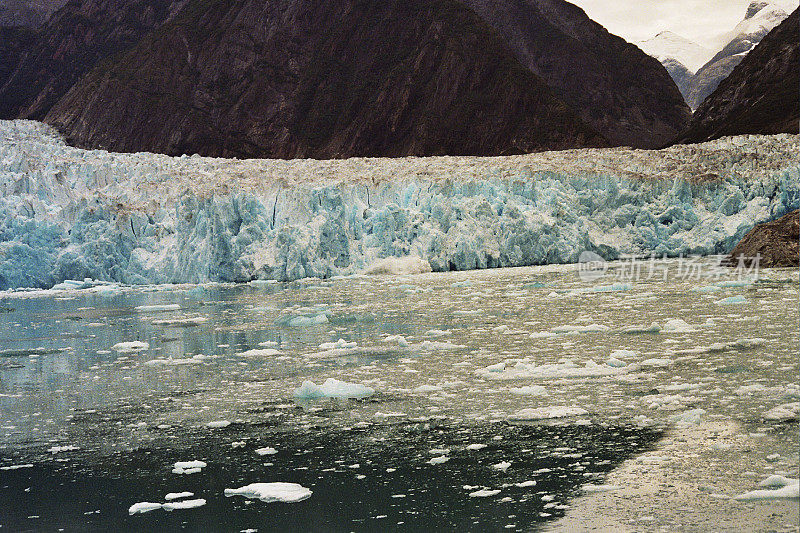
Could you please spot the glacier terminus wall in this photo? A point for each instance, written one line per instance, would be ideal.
(67, 213)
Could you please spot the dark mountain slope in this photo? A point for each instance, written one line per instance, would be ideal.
(69, 44)
(762, 94)
(615, 87)
(319, 78)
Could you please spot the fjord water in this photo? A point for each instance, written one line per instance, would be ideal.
(103, 389)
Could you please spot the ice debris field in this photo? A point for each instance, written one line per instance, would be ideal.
(72, 214)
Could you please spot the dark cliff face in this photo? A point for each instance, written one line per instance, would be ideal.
(762, 94)
(69, 44)
(319, 78)
(772, 244)
(616, 88)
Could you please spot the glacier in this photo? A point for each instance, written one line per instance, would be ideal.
(74, 214)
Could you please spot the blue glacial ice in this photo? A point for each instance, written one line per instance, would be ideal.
(72, 214)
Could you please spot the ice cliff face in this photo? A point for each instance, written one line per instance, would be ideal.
(67, 213)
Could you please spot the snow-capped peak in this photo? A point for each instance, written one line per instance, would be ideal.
(761, 17)
(669, 45)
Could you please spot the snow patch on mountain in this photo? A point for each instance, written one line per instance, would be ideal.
(668, 45)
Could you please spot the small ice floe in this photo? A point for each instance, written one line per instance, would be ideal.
(546, 413)
(177, 495)
(266, 451)
(656, 362)
(58, 449)
(707, 289)
(677, 325)
(530, 390)
(438, 460)
(733, 300)
(181, 322)
(130, 347)
(502, 466)
(218, 424)
(484, 493)
(691, 417)
(194, 360)
(565, 369)
(428, 388)
(784, 412)
(260, 352)
(476, 446)
(304, 320)
(439, 451)
(525, 484)
(272, 492)
(591, 328)
(396, 339)
(599, 488)
(143, 507)
(188, 467)
(636, 330)
(157, 308)
(341, 344)
(399, 266)
(615, 287)
(542, 335)
(332, 388)
(438, 333)
(777, 487)
(435, 346)
(16, 467)
(184, 504)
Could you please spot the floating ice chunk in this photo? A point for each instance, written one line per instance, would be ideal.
(143, 507)
(623, 354)
(16, 467)
(476, 446)
(438, 460)
(677, 325)
(502, 466)
(616, 287)
(178, 495)
(566, 369)
(438, 333)
(786, 411)
(439, 451)
(58, 449)
(735, 283)
(733, 300)
(428, 388)
(188, 467)
(484, 493)
(399, 266)
(181, 322)
(524, 484)
(340, 344)
(157, 308)
(542, 335)
(397, 339)
(129, 347)
(658, 362)
(217, 424)
(688, 418)
(260, 352)
(272, 492)
(707, 289)
(266, 451)
(616, 363)
(530, 390)
(591, 328)
(599, 488)
(776, 482)
(544, 413)
(332, 388)
(304, 321)
(195, 359)
(789, 490)
(749, 343)
(185, 504)
(634, 330)
(435, 345)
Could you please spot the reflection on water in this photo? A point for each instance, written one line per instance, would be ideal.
(131, 376)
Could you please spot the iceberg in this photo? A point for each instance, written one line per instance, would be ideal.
(332, 388)
(72, 214)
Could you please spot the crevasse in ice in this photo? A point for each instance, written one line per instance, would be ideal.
(72, 214)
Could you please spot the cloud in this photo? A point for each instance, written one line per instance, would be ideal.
(699, 20)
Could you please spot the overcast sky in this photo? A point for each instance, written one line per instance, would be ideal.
(699, 20)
